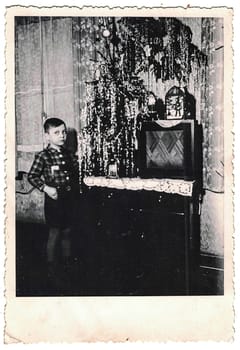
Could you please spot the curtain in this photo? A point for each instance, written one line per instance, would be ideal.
(212, 104)
(212, 114)
(28, 94)
(44, 80)
(28, 90)
(57, 69)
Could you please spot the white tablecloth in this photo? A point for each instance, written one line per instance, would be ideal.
(175, 186)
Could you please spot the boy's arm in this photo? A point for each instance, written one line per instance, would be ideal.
(35, 177)
(35, 173)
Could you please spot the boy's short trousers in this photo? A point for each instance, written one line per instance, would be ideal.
(61, 213)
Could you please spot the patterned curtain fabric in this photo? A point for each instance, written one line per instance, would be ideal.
(212, 113)
(212, 104)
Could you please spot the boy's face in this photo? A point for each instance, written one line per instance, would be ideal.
(56, 136)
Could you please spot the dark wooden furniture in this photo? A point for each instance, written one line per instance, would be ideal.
(152, 235)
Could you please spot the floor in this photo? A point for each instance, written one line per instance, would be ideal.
(100, 266)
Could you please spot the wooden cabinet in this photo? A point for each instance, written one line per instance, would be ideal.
(150, 236)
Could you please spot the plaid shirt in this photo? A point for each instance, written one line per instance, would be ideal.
(54, 168)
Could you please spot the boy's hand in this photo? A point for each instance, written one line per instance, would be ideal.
(51, 192)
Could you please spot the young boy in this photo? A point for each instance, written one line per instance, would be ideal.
(55, 172)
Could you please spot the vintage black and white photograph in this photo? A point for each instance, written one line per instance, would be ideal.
(119, 155)
(119, 217)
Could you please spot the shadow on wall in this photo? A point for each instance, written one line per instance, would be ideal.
(29, 201)
(72, 140)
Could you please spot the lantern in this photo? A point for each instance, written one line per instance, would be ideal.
(175, 103)
(180, 104)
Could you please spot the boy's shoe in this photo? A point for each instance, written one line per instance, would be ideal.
(56, 279)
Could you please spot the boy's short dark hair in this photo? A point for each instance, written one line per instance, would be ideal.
(52, 123)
